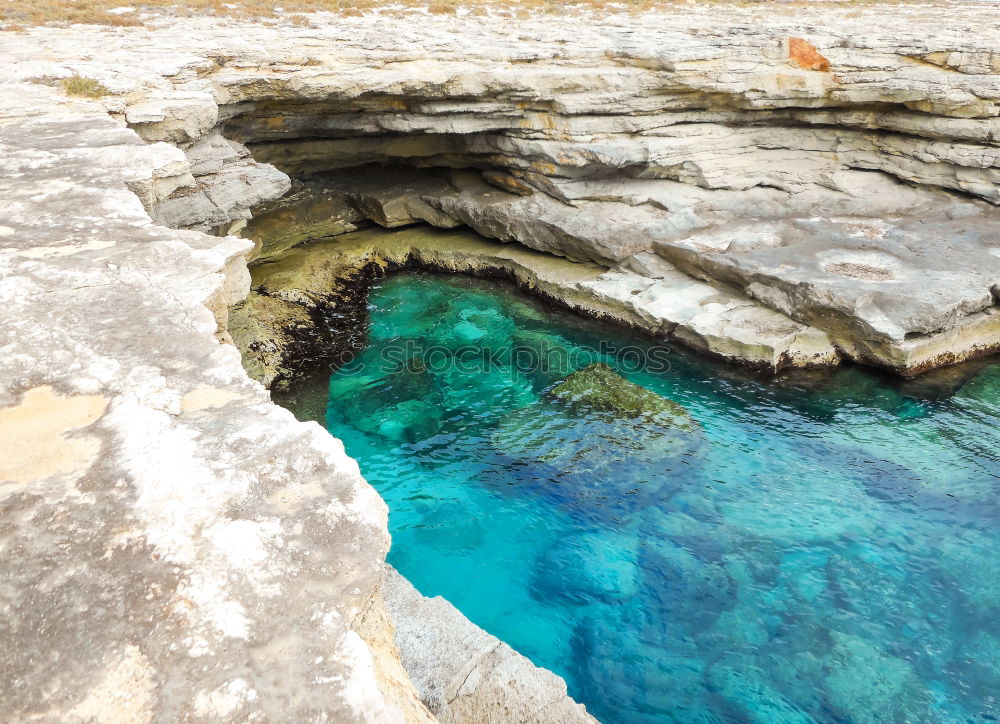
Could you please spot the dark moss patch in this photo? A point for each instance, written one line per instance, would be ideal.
(600, 388)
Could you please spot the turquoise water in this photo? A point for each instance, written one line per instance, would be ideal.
(826, 549)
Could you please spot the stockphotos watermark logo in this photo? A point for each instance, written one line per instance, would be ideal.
(541, 357)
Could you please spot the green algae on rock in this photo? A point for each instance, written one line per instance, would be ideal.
(601, 388)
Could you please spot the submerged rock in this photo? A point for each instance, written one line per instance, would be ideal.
(588, 567)
(598, 467)
(484, 391)
(861, 677)
(360, 393)
(471, 321)
(450, 526)
(746, 692)
(976, 667)
(402, 406)
(646, 679)
(601, 388)
(407, 421)
(693, 590)
(547, 356)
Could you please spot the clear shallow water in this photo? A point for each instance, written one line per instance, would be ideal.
(825, 551)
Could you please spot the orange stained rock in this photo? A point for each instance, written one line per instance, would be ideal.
(40, 439)
(804, 54)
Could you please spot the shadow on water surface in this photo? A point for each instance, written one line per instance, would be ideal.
(817, 547)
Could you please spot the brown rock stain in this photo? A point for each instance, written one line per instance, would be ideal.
(35, 435)
(805, 55)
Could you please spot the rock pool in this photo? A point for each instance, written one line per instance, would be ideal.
(728, 549)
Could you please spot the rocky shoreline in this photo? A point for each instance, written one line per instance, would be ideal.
(280, 327)
(778, 190)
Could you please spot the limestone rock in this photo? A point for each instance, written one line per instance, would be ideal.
(462, 673)
(877, 289)
(209, 154)
(714, 120)
(222, 197)
(396, 197)
(175, 545)
(375, 626)
(174, 117)
(310, 210)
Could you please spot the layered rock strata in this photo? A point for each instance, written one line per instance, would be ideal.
(465, 674)
(792, 136)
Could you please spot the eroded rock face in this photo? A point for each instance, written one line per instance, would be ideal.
(465, 674)
(175, 546)
(880, 289)
(280, 326)
(598, 143)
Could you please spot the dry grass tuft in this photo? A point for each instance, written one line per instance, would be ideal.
(78, 85)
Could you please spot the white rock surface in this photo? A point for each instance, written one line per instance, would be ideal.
(905, 294)
(602, 142)
(175, 546)
(466, 675)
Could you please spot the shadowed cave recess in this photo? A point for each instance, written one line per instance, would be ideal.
(778, 238)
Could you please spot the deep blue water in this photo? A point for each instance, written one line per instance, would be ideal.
(824, 549)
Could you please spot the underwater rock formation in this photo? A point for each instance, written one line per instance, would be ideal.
(610, 566)
(598, 387)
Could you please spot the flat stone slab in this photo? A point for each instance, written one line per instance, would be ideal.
(903, 290)
(175, 547)
(465, 674)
